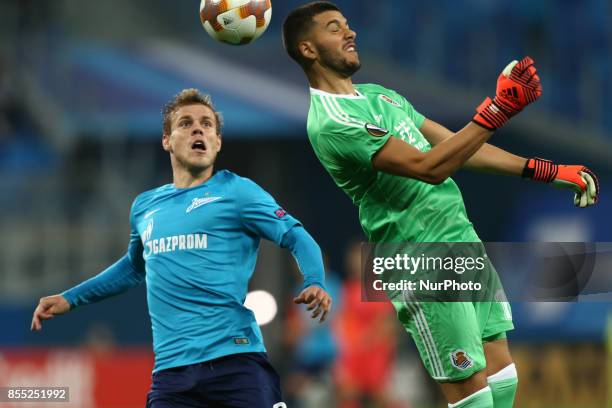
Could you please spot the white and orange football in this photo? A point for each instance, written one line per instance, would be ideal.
(235, 22)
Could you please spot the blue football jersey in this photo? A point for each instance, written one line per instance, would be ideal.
(199, 246)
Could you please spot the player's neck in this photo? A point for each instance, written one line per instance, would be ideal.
(183, 178)
(331, 83)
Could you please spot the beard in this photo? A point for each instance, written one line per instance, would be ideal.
(338, 64)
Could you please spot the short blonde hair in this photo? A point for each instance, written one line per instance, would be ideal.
(186, 97)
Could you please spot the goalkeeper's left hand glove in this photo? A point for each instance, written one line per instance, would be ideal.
(574, 177)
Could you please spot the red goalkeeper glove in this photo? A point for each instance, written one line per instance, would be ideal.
(517, 86)
(574, 177)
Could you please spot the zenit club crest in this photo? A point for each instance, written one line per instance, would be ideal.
(389, 100)
(375, 130)
(148, 231)
(461, 360)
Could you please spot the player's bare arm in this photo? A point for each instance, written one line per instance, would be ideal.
(517, 86)
(47, 308)
(492, 159)
(488, 158)
(435, 166)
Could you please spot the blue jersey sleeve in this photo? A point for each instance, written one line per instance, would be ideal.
(260, 214)
(126, 273)
(307, 254)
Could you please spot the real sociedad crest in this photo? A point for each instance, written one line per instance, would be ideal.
(461, 360)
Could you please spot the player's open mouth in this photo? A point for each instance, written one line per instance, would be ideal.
(198, 145)
(350, 47)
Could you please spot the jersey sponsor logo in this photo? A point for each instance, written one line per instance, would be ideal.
(172, 243)
(378, 118)
(389, 100)
(198, 202)
(150, 213)
(175, 243)
(405, 132)
(375, 130)
(280, 213)
(461, 360)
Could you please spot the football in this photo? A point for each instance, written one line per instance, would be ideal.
(235, 22)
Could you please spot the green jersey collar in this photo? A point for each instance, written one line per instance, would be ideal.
(319, 92)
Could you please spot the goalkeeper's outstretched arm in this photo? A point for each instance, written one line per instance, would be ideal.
(492, 159)
(433, 167)
(488, 158)
(517, 86)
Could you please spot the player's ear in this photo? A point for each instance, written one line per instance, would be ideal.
(308, 50)
(166, 142)
(219, 142)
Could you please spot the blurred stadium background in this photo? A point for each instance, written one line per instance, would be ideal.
(81, 87)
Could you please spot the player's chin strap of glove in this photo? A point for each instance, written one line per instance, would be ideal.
(517, 86)
(574, 177)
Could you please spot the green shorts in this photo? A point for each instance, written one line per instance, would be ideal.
(449, 335)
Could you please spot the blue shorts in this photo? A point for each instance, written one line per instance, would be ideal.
(238, 380)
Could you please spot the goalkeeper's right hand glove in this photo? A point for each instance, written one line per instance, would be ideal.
(517, 86)
(578, 178)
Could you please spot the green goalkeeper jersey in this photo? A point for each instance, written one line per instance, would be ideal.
(346, 131)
